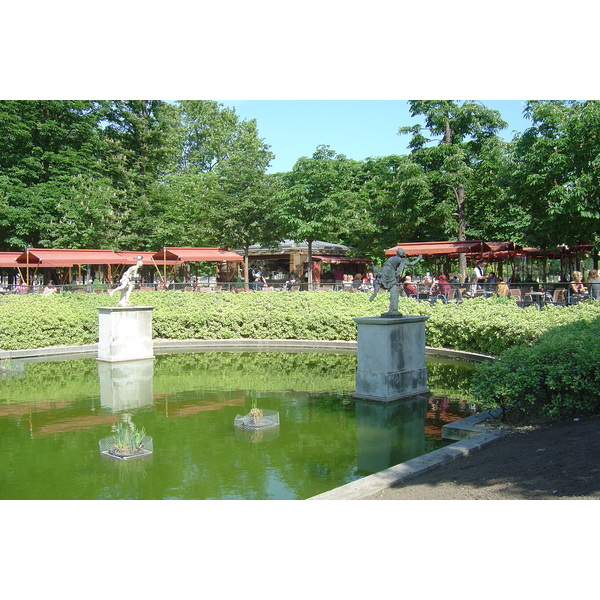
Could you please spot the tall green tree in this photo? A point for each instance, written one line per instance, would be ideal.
(219, 146)
(320, 200)
(50, 153)
(449, 146)
(557, 172)
(398, 203)
(142, 141)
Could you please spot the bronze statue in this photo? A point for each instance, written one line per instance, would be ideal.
(387, 278)
(127, 282)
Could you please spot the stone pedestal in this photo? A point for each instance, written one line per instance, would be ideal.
(125, 333)
(391, 358)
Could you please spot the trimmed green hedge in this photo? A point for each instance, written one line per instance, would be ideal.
(487, 326)
(555, 379)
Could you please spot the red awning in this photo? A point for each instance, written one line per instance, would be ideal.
(502, 246)
(42, 257)
(436, 248)
(129, 257)
(196, 254)
(9, 259)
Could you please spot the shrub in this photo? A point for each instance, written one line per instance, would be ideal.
(555, 379)
(487, 326)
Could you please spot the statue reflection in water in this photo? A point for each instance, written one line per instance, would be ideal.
(390, 433)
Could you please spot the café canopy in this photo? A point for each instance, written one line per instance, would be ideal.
(35, 258)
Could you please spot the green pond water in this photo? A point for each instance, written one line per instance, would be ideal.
(54, 413)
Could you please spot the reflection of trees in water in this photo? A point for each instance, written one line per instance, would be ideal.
(450, 378)
(52, 380)
(261, 371)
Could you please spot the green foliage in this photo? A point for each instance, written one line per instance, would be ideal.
(555, 379)
(33, 321)
(461, 158)
(318, 200)
(128, 438)
(485, 326)
(556, 178)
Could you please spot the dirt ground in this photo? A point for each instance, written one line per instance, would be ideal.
(555, 462)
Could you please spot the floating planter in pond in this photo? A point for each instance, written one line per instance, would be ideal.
(257, 419)
(128, 442)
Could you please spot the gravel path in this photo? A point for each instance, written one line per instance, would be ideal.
(560, 461)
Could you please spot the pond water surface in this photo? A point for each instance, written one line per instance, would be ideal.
(53, 414)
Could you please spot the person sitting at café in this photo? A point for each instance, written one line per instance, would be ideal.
(290, 283)
(258, 284)
(20, 287)
(594, 282)
(577, 288)
(49, 289)
(409, 288)
(502, 287)
(472, 287)
(357, 282)
(441, 287)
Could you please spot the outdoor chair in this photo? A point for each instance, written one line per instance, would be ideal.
(441, 297)
(453, 296)
(516, 294)
(559, 297)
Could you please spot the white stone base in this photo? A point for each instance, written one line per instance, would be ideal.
(125, 333)
(391, 358)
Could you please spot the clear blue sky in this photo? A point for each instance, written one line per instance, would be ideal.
(356, 128)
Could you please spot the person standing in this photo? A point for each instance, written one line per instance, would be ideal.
(479, 271)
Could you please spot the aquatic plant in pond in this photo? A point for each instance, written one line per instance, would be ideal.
(257, 419)
(127, 442)
(256, 412)
(128, 439)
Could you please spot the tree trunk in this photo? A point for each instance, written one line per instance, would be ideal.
(310, 278)
(246, 254)
(462, 226)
